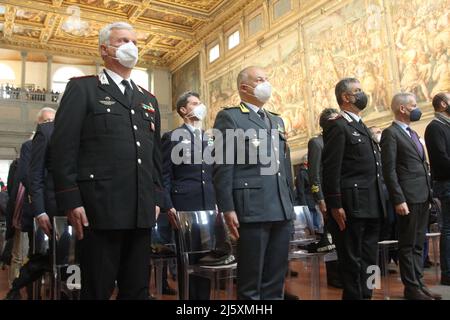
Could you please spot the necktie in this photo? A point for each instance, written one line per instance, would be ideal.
(416, 140)
(198, 139)
(128, 91)
(263, 117)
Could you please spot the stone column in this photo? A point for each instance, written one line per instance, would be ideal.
(23, 55)
(49, 73)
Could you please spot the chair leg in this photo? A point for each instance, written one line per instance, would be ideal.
(386, 284)
(315, 277)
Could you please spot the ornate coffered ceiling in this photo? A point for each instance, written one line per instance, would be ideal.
(166, 28)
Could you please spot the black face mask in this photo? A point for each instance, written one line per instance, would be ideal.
(360, 100)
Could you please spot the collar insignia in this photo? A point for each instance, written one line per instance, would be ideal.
(102, 78)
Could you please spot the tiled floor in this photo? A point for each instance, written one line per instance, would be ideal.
(300, 285)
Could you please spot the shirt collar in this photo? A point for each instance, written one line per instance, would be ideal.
(253, 107)
(117, 78)
(190, 127)
(403, 125)
(353, 115)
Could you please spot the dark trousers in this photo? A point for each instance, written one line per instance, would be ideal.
(411, 237)
(262, 252)
(110, 255)
(357, 249)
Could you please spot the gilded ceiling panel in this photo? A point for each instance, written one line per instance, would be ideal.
(115, 6)
(157, 15)
(203, 5)
(29, 15)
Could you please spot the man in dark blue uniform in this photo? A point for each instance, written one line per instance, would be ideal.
(353, 190)
(188, 185)
(106, 162)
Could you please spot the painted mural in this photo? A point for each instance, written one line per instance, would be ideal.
(389, 45)
(421, 31)
(349, 42)
(282, 63)
(187, 78)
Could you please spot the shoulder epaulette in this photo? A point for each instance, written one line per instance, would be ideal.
(338, 116)
(274, 113)
(230, 107)
(89, 76)
(147, 91)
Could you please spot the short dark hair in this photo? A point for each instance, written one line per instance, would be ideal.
(182, 100)
(437, 99)
(343, 86)
(325, 115)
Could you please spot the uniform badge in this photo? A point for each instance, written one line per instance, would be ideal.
(103, 79)
(148, 108)
(356, 134)
(314, 188)
(107, 101)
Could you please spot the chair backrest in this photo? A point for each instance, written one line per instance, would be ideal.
(64, 242)
(303, 224)
(40, 240)
(201, 231)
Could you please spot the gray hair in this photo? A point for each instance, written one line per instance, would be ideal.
(343, 86)
(105, 32)
(399, 99)
(45, 109)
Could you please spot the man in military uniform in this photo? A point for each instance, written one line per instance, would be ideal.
(107, 169)
(258, 205)
(353, 190)
(188, 185)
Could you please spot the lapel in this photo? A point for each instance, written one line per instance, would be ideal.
(138, 96)
(108, 85)
(407, 138)
(273, 122)
(255, 118)
(351, 122)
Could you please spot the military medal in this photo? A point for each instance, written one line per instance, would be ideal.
(148, 108)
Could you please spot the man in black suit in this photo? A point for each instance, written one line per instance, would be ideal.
(437, 137)
(407, 178)
(106, 158)
(352, 189)
(35, 266)
(256, 197)
(188, 185)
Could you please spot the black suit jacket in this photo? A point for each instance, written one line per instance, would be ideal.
(352, 169)
(188, 186)
(23, 177)
(405, 172)
(42, 190)
(315, 149)
(241, 186)
(106, 153)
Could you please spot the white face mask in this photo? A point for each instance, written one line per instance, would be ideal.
(127, 54)
(263, 91)
(199, 112)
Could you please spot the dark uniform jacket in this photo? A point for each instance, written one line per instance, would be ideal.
(42, 190)
(242, 187)
(106, 154)
(315, 149)
(405, 172)
(352, 169)
(188, 185)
